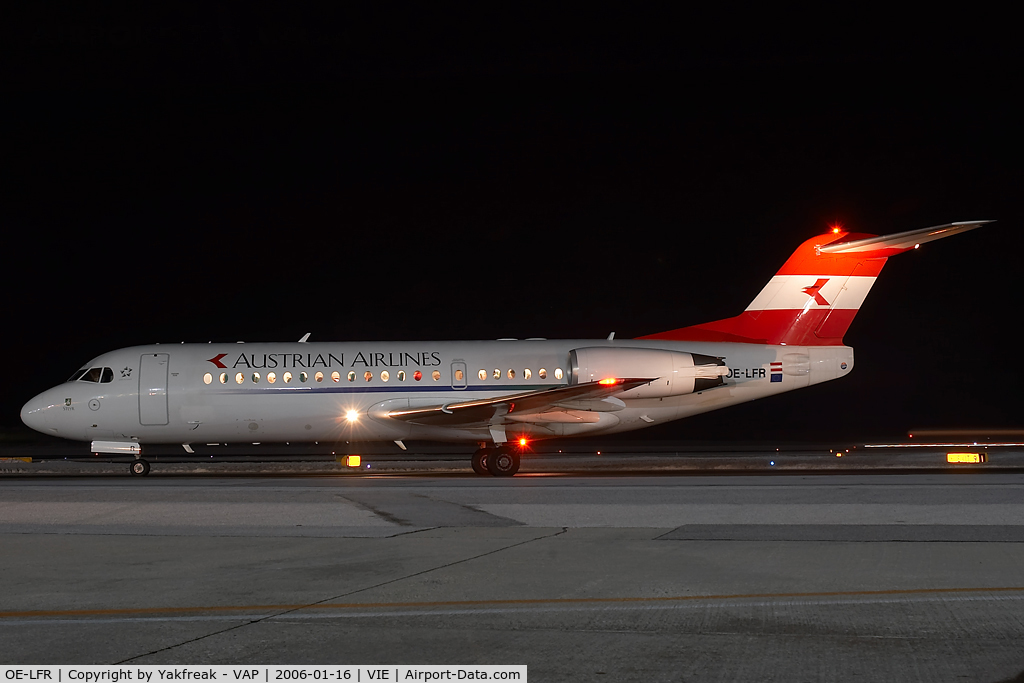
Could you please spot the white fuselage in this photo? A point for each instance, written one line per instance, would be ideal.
(216, 393)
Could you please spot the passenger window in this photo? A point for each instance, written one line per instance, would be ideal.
(436, 375)
(108, 376)
(223, 378)
(385, 375)
(255, 378)
(271, 377)
(303, 377)
(497, 373)
(527, 374)
(367, 375)
(336, 376)
(401, 375)
(239, 378)
(458, 375)
(319, 377)
(75, 377)
(558, 373)
(511, 373)
(417, 375)
(287, 377)
(351, 375)
(482, 375)
(207, 378)
(542, 373)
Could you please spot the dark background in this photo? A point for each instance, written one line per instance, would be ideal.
(254, 174)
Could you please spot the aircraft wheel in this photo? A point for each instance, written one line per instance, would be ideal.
(480, 461)
(140, 467)
(504, 462)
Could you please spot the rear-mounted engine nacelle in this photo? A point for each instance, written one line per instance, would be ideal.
(673, 373)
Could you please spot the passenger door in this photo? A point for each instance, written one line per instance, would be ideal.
(153, 388)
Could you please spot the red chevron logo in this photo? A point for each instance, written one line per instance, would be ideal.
(813, 290)
(216, 360)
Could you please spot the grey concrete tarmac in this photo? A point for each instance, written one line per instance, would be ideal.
(783, 577)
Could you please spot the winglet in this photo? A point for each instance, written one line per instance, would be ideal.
(305, 337)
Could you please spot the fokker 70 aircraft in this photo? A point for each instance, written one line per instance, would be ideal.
(494, 393)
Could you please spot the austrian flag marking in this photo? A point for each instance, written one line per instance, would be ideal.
(775, 368)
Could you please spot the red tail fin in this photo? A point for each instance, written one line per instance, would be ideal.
(814, 297)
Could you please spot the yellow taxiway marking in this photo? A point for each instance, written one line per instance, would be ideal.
(493, 603)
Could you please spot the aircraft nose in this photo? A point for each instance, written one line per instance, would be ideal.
(34, 413)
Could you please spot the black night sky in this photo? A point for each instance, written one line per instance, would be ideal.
(255, 174)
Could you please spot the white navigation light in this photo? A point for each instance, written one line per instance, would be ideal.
(352, 415)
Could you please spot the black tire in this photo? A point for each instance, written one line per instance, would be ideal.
(504, 462)
(480, 461)
(139, 468)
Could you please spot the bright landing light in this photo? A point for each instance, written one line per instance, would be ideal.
(352, 415)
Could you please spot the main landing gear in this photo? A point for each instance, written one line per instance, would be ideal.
(502, 461)
(139, 467)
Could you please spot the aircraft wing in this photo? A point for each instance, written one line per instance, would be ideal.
(491, 410)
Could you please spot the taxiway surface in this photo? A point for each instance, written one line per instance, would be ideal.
(801, 577)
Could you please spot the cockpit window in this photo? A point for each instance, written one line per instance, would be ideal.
(91, 375)
(78, 374)
(107, 376)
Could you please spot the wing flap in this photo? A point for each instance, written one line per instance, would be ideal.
(492, 410)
